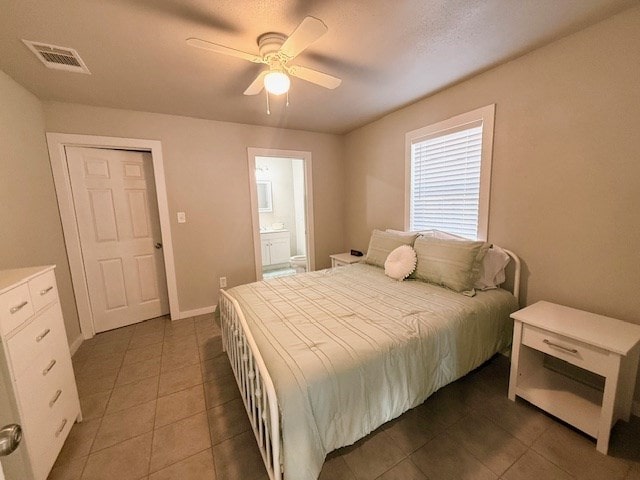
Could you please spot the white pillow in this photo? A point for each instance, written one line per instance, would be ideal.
(492, 269)
(400, 263)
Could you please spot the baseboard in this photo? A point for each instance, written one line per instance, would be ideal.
(198, 311)
(75, 345)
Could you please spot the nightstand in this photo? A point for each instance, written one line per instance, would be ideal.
(600, 345)
(341, 259)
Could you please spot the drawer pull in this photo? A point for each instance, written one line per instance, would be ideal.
(55, 398)
(561, 347)
(46, 290)
(18, 307)
(49, 367)
(43, 334)
(61, 427)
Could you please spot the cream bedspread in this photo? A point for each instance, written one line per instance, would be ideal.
(349, 349)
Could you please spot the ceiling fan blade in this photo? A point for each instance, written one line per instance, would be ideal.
(257, 85)
(214, 47)
(314, 76)
(309, 30)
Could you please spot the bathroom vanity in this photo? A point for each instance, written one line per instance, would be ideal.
(276, 247)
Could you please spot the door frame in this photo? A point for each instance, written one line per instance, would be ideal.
(252, 153)
(57, 142)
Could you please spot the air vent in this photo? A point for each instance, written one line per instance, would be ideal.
(60, 58)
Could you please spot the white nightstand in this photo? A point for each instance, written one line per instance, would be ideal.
(341, 259)
(598, 344)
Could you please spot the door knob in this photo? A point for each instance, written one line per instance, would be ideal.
(158, 245)
(10, 436)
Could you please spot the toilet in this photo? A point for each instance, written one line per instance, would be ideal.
(299, 263)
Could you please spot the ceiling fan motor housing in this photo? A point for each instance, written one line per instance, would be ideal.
(270, 43)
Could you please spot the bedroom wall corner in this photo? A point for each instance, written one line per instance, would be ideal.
(207, 177)
(566, 181)
(31, 232)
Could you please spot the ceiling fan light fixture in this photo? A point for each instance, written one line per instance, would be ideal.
(277, 82)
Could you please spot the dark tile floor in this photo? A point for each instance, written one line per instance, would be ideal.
(160, 403)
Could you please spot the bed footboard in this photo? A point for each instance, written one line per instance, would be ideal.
(254, 382)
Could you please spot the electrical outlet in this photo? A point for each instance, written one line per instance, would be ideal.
(223, 282)
(182, 217)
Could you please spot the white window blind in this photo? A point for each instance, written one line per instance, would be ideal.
(445, 181)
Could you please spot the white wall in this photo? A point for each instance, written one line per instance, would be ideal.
(30, 228)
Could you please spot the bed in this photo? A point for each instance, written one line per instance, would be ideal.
(324, 358)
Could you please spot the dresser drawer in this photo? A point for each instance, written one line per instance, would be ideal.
(15, 308)
(43, 290)
(38, 393)
(567, 349)
(44, 438)
(41, 335)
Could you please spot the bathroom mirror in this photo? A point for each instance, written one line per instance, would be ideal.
(264, 196)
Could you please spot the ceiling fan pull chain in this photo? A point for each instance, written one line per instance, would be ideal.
(287, 98)
(268, 110)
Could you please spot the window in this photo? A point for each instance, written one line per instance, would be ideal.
(449, 175)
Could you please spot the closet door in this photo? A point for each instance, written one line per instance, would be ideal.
(115, 202)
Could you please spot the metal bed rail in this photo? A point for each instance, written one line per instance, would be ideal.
(254, 382)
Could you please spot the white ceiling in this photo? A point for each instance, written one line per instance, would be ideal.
(388, 53)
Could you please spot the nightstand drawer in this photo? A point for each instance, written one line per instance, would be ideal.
(567, 349)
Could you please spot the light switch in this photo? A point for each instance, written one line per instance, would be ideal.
(182, 217)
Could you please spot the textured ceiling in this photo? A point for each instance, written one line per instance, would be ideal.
(388, 53)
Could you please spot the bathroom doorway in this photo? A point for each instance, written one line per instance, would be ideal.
(282, 212)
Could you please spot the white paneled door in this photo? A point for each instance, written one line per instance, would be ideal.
(117, 213)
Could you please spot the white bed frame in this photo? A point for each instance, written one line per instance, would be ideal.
(254, 381)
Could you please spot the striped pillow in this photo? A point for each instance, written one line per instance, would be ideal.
(383, 243)
(450, 263)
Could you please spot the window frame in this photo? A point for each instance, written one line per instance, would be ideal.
(485, 115)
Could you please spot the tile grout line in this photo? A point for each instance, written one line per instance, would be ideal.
(121, 365)
(495, 425)
(206, 406)
(164, 467)
(91, 452)
(149, 472)
(153, 427)
(103, 415)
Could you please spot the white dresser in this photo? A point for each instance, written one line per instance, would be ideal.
(36, 369)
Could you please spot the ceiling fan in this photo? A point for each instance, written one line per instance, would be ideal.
(277, 51)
